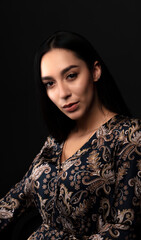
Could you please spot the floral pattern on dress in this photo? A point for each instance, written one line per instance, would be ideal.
(93, 195)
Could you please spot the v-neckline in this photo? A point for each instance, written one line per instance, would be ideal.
(114, 118)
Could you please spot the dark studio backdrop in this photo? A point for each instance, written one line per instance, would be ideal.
(112, 26)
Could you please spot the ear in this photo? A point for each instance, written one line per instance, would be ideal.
(96, 71)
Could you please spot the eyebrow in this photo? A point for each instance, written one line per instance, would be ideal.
(62, 72)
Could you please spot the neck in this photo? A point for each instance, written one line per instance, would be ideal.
(93, 119)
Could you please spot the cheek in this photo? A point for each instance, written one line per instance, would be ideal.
(85, 88)
(52, 96)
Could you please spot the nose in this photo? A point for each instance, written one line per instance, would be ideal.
(64, 91)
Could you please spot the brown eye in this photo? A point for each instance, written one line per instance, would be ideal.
(72, 76)
(49, 84)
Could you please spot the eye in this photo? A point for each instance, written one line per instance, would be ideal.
(48, 84)
(72, 76)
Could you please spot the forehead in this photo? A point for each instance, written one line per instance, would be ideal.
(58, 59)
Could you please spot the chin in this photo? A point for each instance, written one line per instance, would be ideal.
(74, 116)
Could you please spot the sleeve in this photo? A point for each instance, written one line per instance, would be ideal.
(46, 232)
(19, 197)
(120, 213)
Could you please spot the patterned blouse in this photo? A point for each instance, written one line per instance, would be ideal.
(93, 195)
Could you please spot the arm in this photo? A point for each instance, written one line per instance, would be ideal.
(119, 214)
(18, 198)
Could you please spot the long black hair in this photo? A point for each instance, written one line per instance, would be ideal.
(58, 124)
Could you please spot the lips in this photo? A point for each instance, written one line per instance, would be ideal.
(71, 106)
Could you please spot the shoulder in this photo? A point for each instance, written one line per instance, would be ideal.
(129, 139)
(121, 129)
(123, 126)
(49, 143)
(129, 130)
(124, 122)
(124, 136)
(130, 122)
(49, 151)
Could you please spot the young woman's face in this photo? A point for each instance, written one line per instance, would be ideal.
(68, 82)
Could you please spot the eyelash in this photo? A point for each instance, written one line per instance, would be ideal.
(71, 76)
(47, 84)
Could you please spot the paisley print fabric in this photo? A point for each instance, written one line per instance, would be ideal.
(93, 195)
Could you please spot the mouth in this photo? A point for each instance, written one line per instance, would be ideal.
(71, 107)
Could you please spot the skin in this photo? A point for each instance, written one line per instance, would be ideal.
(68, 80)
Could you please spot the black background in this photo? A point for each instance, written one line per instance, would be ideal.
(112, 26)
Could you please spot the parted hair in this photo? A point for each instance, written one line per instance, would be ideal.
(58, 124)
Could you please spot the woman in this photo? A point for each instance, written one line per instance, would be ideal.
(86, 180)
